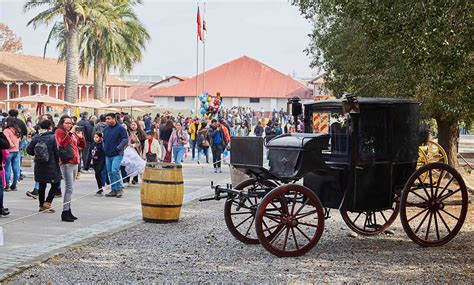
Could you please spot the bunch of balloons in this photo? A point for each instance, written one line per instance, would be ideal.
(210, 105)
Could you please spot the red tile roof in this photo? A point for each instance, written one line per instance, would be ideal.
(30, 68)
(140, 92)
(243, 77)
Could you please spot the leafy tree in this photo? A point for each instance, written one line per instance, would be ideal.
(73, 14)
(9, 42)
(412, 49)
(112, 37)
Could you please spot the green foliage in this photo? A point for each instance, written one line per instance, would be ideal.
(412, 49)
(112, 34)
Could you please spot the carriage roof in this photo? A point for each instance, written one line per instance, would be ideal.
(383, 102)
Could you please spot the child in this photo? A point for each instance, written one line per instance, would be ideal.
(151, 148)
(98, 162)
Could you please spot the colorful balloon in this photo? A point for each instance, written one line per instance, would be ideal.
(202, 111)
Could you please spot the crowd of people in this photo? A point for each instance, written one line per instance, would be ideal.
(64, 147)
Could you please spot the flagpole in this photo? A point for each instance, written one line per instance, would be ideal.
(204, 47)
(197, 68)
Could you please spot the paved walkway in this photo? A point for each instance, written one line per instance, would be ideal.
(43, 234)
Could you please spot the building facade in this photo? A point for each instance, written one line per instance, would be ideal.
(26, 75)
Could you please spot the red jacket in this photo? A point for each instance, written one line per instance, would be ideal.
(63, 139)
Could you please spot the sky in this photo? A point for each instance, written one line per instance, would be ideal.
(273, 32)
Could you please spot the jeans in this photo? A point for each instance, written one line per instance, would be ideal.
(113, 169)
(216, 154)
(69, 172)
(202, 150)
(178, 154)
(193, 147)
(12, 161)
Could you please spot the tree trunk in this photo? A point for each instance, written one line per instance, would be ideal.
(72, 64)
(448, 131)
(99, 80)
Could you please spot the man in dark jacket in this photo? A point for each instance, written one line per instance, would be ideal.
(218, 143)
(46, 171)
(115, 141)
(86, 125)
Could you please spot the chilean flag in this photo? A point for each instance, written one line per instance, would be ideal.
(199, 25)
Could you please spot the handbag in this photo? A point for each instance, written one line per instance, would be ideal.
(66, 153)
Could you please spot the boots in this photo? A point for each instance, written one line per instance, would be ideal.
(66, 216)
(70, 213)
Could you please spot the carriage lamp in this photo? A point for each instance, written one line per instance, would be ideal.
(294, 109)
(350, 104)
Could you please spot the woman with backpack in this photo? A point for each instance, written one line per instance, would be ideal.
(69, 142)
(45, 151)
(203, 143)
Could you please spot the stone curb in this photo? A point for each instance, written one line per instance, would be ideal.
(18, 260)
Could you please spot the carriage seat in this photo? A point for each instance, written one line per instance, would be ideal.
(293, 155)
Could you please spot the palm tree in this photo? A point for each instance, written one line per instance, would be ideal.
(73, 14)
(112, 37)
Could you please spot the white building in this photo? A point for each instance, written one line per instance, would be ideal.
(241, 82)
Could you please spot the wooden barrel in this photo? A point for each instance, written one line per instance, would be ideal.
(162, 192)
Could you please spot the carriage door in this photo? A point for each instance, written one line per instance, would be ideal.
(373, 174)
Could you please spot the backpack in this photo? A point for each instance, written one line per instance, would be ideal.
(201, 140)
(41, 151)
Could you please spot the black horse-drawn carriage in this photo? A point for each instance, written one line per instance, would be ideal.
(357, 156)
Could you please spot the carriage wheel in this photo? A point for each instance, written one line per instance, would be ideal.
(435, 153)
(370, 223)
(239, 212)
(290, 220)
(432, 211)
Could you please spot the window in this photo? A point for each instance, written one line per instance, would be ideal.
(12, 94)
(334, 124)
(179, 99)
(254, 100)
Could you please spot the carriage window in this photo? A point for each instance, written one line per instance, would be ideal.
(334, 124)
(373, 133)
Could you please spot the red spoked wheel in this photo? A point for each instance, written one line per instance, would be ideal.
(239, 212)
(433, 210)
(370, 223)
(290, 220)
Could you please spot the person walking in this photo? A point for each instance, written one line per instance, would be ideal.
(193, 130)
(218, 144)
(46, 170)
(100, 126)
(12, 163)
(4, 146)
(88, 135)
(98, 162)
(177, 141)
(203, 143)
(115, 141)
(69, 142)
(258, 131)
(152, 148)
(165, 135)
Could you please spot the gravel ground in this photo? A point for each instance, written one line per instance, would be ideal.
(200, 249)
